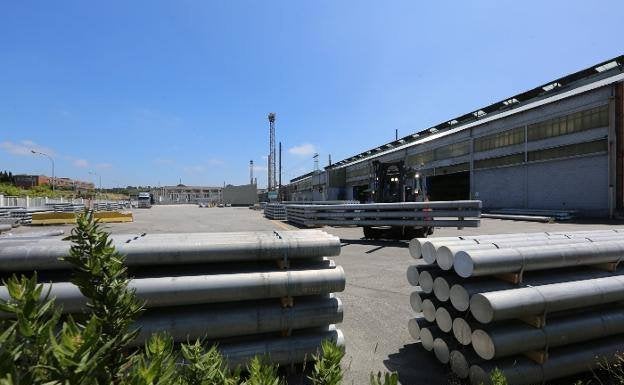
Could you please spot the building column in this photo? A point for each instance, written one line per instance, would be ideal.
(612, 154)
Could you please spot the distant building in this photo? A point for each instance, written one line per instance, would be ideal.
(29, 181)
(245, 195)
(181, 194)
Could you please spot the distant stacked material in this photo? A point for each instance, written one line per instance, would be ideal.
(538, 306)
(67, 207)
(463, 213)
(275, 211)
(254, 293)
(107, 206)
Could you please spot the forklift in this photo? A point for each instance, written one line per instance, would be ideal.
(392, 183)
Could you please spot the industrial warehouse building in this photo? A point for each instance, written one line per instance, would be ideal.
(244, 195)
(557, 146)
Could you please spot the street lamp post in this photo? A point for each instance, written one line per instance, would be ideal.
(51, 160)
(100, 177)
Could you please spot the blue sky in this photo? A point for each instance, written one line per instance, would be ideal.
(151, 92)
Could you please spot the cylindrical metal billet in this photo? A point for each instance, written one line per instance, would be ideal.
(428, 310)
(416, 300)
(145, 251)
(282, 350)
(233, 320)
(461, 292)
(442, 349)
(445, 255)
(462, 330)
(461, 360)
(415, 245)
(539, 300)
(414, 325)
(473, 263)
(444, 318)
(413, 272)
(425, 280)
(562, 362)
(442, 286)
(412, 275)
(5, 227)
(517, 337)
(191, 290)
(428, 335)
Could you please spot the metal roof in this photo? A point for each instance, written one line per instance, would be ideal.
(602, 74)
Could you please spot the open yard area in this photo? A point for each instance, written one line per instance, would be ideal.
(376, 298)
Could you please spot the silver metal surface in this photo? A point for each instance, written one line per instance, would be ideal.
(539, 300)
(150, 250)
(562, 362)
(517, 337)
(233, 320)
(203, 289)
(474, 263)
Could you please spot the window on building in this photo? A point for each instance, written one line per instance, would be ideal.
(576, 149)
(506, 160)
(419, 159)
(500, 139)
(452, 150)
(576, 122)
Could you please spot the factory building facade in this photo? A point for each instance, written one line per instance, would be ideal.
(559, 146)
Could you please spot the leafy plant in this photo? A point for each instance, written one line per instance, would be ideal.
(24, 340)
(388, 379)
(101, 276)
(497, 377)
(327, 369)
(261, 372)
(157, 365)
(203, 367)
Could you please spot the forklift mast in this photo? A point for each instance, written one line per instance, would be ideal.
(393, 182)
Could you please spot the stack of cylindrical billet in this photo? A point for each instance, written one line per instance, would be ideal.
(275, 211)
(537, 306)
(440, 214)
(254, 293)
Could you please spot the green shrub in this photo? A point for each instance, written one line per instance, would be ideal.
(327, 370)
(388, 379)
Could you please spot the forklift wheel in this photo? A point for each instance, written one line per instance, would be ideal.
(371, 233)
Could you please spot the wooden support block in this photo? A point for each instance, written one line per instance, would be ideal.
(609, 266)
(287, 301)
(283, 264)
(537, 356)
(538, 321)
(286, 333)
(515, 278)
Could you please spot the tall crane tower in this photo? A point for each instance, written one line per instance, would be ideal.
(251, 172)
(272, 169)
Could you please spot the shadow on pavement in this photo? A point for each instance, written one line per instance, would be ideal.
(378, 242)
(416, 366)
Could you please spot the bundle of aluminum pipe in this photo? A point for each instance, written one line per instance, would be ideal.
(165, 249)
(534, 303)
(276, 211)
(440, 214)
(211, 290)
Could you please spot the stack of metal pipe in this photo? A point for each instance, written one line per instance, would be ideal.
(276, 211)
(537, 306)
(253, 293)
(441, 214)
